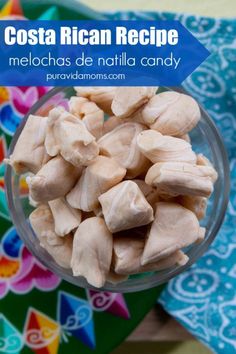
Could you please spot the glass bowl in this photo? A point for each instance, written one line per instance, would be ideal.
(205, 139)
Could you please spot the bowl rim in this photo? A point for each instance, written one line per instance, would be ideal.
(136, 286)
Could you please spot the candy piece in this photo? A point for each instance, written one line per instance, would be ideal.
(136, 117)
(41, 220)
(59, 248)
(161, 148)
(91, 115)
(111, 123)
(150, 193)
(174, 227)
(128, 100)
(158, 105)
(52, 143)
(196, 204)
(121, 144)
(29, 154)
(96, 179)
(61, 252)
(204, 161)
(185, 137)
(201, 235)
(124, 207)
(102, 96)
(176, 178)
(127, 257)
(55, 179)
(171, 113)
(127, 253)
(77, 144)
(67, 135)
(92, 251)
(65, 217)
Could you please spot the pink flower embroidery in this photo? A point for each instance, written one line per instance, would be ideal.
(31, 274)
(23, 98)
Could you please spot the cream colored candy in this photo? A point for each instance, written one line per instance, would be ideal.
(68, 136)
(41, 220)
(124, 207)
(65, 217)
(102, 96)
(174, 227)
(150, 193)
(52, 142)
(128, 100)
(111, 123)
(61, 252)
(171, 113)
(59, 248)
(29, 154)
(204, 161)
(176, 178)
(196, 204)
(91, 115)
(92, 251)
(127, 257)
(127, 253)
(161, 148)
(121, 144)
(55, 179)
(201, 235)
(78, 146)
(136, 117)
(96, 179)
(185, 137)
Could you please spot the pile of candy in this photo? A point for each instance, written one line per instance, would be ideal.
(119, 196)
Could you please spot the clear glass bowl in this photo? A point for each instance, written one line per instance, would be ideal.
(205, 139)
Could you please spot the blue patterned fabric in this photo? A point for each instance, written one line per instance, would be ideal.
(203, 299)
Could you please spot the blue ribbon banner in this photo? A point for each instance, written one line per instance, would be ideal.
(97, 53)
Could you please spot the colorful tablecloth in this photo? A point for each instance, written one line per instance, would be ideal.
(203, 299)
